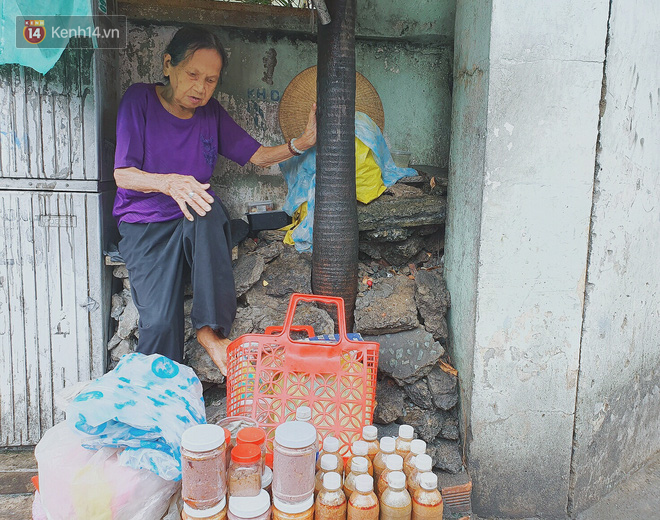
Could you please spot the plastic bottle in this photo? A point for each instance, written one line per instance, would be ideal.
(304, 414)
(203, 466)
(301, 511)
(427, 501)
(331, 502)
(254, 436)
(218, 512)
(417, 447)
(363, 503)
(387, 447)
(361, 449)
(294, 462)
(406, 435)
(249, 508)
(394, 463)
(423, 464)
(370, 436)
(328, 464)
(331, 447)
(244, 473)
(395, 504)
(359, 467)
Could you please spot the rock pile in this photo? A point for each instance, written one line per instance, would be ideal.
(402, 304)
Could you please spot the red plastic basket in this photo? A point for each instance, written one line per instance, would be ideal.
(270, 375)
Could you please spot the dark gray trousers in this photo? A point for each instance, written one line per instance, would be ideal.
(155, 254)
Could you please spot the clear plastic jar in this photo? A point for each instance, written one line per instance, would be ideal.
(363, 504)
(244, 473)
(218, 512)
(203, 466)
(427, 501)
(254, 436)
(395, 504)
(406, 435)
(294, 462)
(250, 508)
(331, 501)
(417, 447)
(370, 436)
(301, 511)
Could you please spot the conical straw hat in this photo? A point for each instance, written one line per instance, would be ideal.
(299, 95)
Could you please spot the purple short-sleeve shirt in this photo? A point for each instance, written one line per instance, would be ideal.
(153, 140)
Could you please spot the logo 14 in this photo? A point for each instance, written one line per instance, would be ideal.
(34, 31)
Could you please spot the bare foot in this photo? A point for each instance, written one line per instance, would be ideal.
(215, 346)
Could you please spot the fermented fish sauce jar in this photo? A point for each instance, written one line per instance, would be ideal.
(417, 447)
(370, 436)
(423, 464)
(249, 508)
(331, 502)
(294, 462)
(203, 466)
(359, 467)
(406, 435)
(394, 463)
(328, 464)
(395, 504)
(218, 512)
(361, 449)
(331, 447)
(244, 473)
(387, 447)
(427, 501)
(254, 436)
(363, 503)
(301, 511)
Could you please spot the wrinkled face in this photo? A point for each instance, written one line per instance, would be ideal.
(194, 79)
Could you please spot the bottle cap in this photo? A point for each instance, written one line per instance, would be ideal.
(428, 480)
(330, 444)
(246, 453)
(394, 462)
(423, 462)
(329, 462)
(266, 477)
(251, 436)
(406, 431)
(418, 446)
(295, 434)
(370, 433)
(250, 507)
(303, 413)
(364, 483)
(387, 444)
(359, 465)
(396, 480)
(360, 448)
(293, 509)
(204, 513)
(203, 437)
(332, 481)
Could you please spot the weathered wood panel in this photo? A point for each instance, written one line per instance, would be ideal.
(53, 313)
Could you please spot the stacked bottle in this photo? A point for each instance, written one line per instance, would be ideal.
(423, 464)
(370, 436)
(417, 447)
(387, 447)
(331, 447)
(395, 503)
(328, 465)
(363, 503)
(244, 473)
(361, 449)
(406, 435)
(331, 502)
(394, 463)
(359, 467)
(427, 501)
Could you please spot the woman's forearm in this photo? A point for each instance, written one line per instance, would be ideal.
(138, 180)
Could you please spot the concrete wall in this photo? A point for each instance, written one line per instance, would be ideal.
(618, 408)
(406, 56)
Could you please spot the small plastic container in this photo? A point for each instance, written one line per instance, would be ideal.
(363, 504)
(254, 436)
(267, 479)
(401, 158)
(331, 502)
(328, 464)
(387, 447)
(394, 463)
(427, 501)
(304, 414)
(359, 466)
(370, 436)
(218, 512)
(331, 447)
(244, 473)
(406, 435)
(417, 447)
(423, 464)
(249, 508)
(203, 466)
(294, 462)
(361, 449)
(396, 504)
(301, 511)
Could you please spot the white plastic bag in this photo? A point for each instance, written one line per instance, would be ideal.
(81, 484)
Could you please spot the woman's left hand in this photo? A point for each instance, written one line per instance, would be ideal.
(308, 138)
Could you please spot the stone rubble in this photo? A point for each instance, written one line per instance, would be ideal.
(402, 304)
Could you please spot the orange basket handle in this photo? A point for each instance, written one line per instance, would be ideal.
(276, 329)
(330, 300)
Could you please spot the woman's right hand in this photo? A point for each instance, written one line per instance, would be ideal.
(187, 191)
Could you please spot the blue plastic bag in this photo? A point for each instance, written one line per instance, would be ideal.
(300, 176)
(144, 405)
